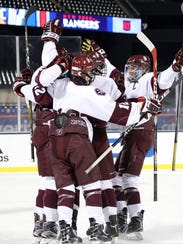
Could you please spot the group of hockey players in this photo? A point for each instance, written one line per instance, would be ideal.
(73, 97)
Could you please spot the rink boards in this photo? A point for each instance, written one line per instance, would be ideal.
(15, 152)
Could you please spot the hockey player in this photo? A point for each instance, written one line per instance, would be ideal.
(51, 34)
(45, 214)
(46, 199)
(138, 80)
(101, 143)
(135, 81)
(109, 70)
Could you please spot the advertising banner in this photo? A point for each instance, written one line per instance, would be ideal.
(15, 152)
(11, 16)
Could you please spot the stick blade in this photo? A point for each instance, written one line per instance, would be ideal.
(30, 11)
(145, 40)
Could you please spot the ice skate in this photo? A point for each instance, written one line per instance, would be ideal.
(49, 234)
(73, 237)
(96, 233)
(122, 220)
(135, 227)
(64, 231)
(112, 227)
(38, 229)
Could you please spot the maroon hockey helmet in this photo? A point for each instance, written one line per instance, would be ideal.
(137, 66)
(82, 69)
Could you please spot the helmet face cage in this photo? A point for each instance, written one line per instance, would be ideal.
(99, 66)
(136, 67)
(99, 62)
(82, 67)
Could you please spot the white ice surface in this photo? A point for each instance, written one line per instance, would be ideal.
(163, 219)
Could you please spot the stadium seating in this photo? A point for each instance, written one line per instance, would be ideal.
(94, 7)
(8, 116)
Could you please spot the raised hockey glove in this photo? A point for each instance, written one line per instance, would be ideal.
(150, 105)
(64, 62)
(90, 45)
(25, 79)
(118, 77)
(177, 65)
(52, 31)
(27, 75)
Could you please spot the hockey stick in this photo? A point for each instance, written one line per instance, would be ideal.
(150, 46)
(30, 11)
(97, 161)
(177, 126)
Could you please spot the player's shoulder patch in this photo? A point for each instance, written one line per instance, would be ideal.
(99, 92)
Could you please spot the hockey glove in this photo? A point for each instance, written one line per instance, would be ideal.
(27, 75)
(25, 79)
(178, 61)
(64, 62)
(118, 77)
(52, 31)
(90, 45)
(150, 105)
(17, 85)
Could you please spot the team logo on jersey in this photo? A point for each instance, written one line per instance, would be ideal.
(59, 132)
(99, 92)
